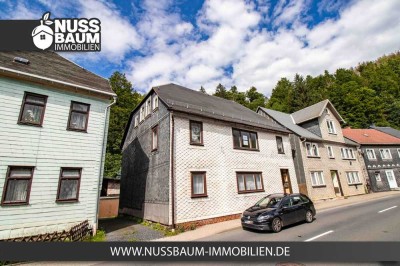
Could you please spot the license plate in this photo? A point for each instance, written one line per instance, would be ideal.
(248, 222)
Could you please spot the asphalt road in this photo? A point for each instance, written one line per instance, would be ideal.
(376, 220)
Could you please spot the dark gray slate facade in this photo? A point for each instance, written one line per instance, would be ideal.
(145, 173)
(378, 169)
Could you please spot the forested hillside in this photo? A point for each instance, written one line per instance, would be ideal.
(364, 95)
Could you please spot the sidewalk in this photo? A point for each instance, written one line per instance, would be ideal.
(213, 229)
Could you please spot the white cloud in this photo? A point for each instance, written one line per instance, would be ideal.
(190, 61)
(361, 33)
(228, 41)
(118, 35)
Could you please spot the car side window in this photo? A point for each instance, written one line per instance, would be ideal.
(286, 203)
(296, 200)
(304, 199)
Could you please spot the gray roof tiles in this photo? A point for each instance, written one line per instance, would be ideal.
(53, 66)
(314, 111)
(182, 99)
(287, 121)
(388, 130)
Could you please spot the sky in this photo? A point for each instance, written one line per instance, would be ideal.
(233, 42)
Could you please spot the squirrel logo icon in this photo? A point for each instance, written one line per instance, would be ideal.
(43, 35)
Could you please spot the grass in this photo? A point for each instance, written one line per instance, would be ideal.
(99, 237)
(162, 228)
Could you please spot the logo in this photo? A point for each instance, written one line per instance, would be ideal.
(67, 34)
(43, 35)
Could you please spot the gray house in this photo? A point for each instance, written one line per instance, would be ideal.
(381, 153)
(327, 165)
(189, 157)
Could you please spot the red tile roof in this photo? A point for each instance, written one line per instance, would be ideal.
(369, 136)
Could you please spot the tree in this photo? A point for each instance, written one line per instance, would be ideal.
(281, 97)
(221, 92)
(203, 90)
(255, 99)
(128, 99)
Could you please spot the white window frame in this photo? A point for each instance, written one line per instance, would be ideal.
(142, 111)
(373, 153)
(312, 145)
(319, 178)
(382, 154)
(331, 126)
(347, 153)
(155, 102)
(136, 121)
(148, 107)
(398, 152)
(331, 154)
(353, 177)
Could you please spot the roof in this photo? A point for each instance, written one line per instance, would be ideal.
(182, 99)
(314, 111)
(287, 121)
(369, 136)
(54, 67)
(389, 130)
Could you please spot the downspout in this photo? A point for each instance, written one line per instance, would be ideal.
(172, 171)
(102, 158)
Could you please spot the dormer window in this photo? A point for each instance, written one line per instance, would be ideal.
(331, 127)
(142, 111)
(148, 107)
(136, 121)
(155, 102)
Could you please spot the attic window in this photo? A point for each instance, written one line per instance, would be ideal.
(365, 135)
(327, 111)
(21, 60)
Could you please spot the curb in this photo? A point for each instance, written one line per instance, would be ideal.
(319, 209)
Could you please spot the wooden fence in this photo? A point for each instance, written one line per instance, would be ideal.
(76, 233)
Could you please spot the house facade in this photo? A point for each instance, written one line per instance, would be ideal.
(381, 154)
(189, 158)
(54, 122)
(327, 165)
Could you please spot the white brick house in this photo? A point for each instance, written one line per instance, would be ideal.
(54, 125)
(327, 164)
(213, 159)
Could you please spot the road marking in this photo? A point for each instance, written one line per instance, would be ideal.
(387, 209)
(318, 236)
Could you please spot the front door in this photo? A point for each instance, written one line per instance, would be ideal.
(287, 186)
(391, 179)
(336, 184)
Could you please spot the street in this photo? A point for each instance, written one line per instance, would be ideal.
(376, 220)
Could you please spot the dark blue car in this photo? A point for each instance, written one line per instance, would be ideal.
(278, 210)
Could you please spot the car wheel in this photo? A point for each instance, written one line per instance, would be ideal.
(309, 217)
(276, 225)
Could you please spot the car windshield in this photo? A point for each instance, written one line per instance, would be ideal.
(269, 202)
